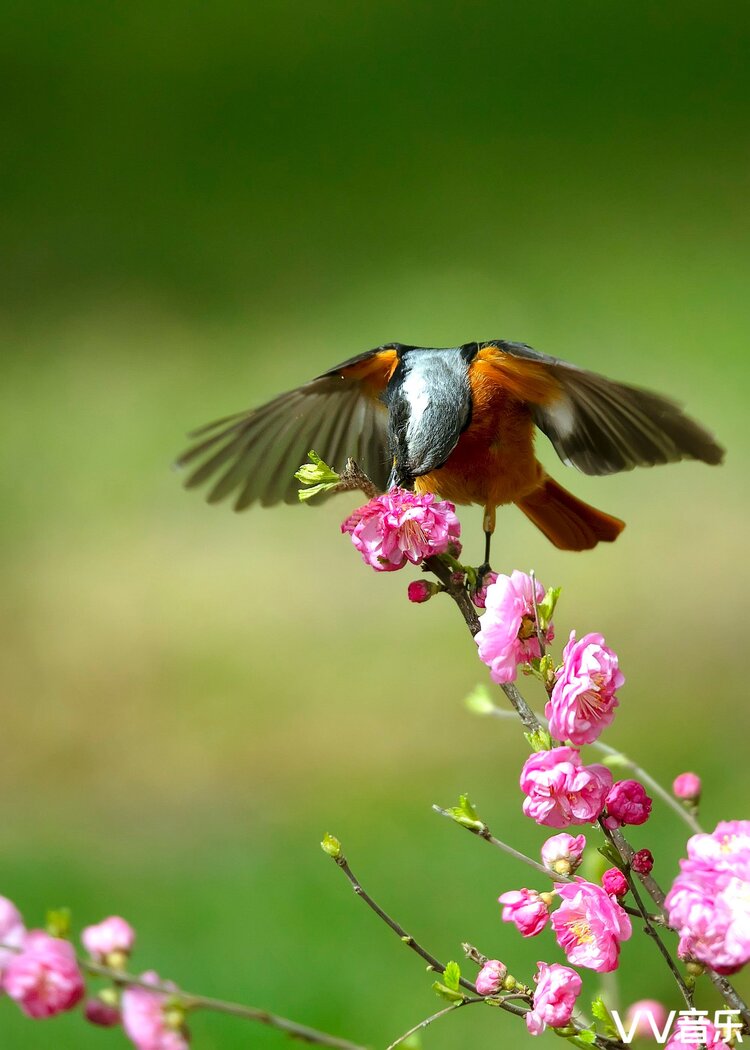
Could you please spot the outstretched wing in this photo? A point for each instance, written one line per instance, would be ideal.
(253, 455)
(594, 423)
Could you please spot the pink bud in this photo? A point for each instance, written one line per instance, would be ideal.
(642, 862)
(614, 882)
(420, 591)
(687, 786)
(479, 597)
(562, 853)
(527, 909)
(112, 935)
(646, 1015)
(105, 1015)
(490, 978)
(627, 803)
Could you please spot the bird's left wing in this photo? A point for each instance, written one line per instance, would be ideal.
(253, 455)
(596, 424)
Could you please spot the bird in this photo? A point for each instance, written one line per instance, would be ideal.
(459, 422)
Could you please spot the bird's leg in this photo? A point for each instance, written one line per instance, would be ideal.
(489, 528)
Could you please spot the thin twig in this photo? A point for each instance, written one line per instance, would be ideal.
(432, 963)
(485, 834)
(189, 1001)
(433, 1017)
(537, 625)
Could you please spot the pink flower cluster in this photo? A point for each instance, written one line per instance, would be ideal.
(557, 988)
(508, 635)
(589, 926)
(400, 526)
(584, 696)
(560, 790)
(709, 902)
(44, 978)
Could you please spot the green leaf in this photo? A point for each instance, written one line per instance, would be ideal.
(606, 1021)
(539, 740)
(617, 761)
(58, 922)
(447, 993)
(609, 853)
(465, 814)
(546, 607)
(317, 476)
(331, 846)
(414, 1042)
(479, 701)
(585, 1038)
(452, 975)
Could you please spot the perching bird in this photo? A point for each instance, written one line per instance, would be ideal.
(459, 422)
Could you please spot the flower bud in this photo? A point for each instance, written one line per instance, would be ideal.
(614, 882)
(104, 1015)
(642, 861)
(562, 853)
(627, 803)
(110, 941)
(687, 786)
(490, 978)
(421, 591)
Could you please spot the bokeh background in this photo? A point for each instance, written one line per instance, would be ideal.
(204, 204)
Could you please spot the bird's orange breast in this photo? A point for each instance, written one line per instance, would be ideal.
(493, 462)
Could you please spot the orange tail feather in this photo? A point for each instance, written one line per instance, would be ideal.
(569, 523)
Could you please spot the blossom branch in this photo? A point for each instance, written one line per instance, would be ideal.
(191, 1001)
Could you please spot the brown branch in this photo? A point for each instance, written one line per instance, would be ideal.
(433, 1017)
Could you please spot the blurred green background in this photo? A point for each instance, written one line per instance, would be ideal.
(204, 204)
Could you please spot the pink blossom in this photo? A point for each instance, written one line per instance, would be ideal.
(614, 882)
(560, 790)
(508, 635)
(479, 597)
(44, 978)
(646, 1017)
(589, 925)
(584, 697)
(696, 1032)
(687, 786)
(400, 526)
(109, 937)
(147, 1020)
(627, 803)
(104, 1015)
(642, 861)
(557, 988)
(709, 903)
(490, 978)
(12, 931)
(562, 853)
(526, 910)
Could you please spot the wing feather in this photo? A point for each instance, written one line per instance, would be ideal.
(601, 426)
(254, 455)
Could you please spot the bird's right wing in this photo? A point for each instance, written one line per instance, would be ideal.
(596, 424)
(253, 455)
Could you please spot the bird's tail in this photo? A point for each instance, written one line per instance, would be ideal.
(569, 523)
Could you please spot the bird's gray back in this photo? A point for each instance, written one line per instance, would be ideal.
(429, 404)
